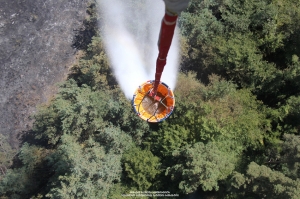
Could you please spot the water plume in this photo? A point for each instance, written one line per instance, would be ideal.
(130, 30)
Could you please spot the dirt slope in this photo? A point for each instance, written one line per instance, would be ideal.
(36, 38)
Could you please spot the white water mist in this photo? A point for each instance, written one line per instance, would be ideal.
(130, 31)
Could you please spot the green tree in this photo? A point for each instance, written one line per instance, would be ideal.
(200, 166)
(6, 155)
(82, 170)
(141, 167)
(291, 155)
(285, 158)
(262, 182)
(217, 111)
(22, 182)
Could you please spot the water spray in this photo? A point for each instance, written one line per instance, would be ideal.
(130, 31)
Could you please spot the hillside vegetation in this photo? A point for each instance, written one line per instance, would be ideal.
(234, 132)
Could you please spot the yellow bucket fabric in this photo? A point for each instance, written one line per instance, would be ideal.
(149, 109)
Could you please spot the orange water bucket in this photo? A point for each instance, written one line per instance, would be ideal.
(149, 108)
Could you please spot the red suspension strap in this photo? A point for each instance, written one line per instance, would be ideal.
(165, 39)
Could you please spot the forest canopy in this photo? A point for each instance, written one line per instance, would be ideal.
(234, 132)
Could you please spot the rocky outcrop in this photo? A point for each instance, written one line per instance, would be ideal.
(36, 38)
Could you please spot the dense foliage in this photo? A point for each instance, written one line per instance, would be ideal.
(234, 132)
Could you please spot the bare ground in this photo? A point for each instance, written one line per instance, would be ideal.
(36, 38)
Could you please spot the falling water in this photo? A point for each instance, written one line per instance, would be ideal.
(130, 30)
